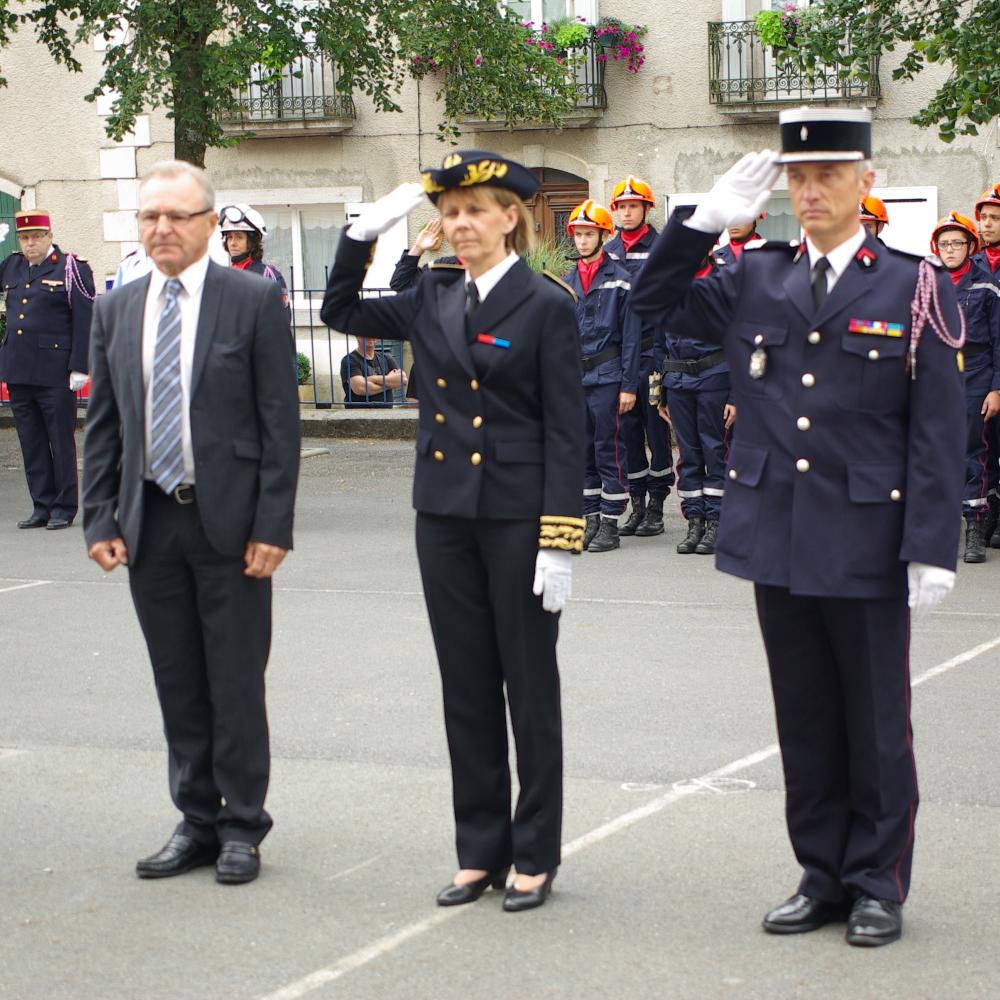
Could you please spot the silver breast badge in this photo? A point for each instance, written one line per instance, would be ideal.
(758, 359)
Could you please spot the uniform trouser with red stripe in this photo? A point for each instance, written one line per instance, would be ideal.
(605, 485)
(697, 417)
(841, 682)
(980, 459)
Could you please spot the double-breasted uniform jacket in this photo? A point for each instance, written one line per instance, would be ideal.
(48, 319)
(979, 298)
(606, 323)
(843, 468)
(501, 424)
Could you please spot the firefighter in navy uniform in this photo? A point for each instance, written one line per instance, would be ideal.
(988, 217)
(873, 216)
(243, 231)
(43, 360)
(741, 236)
(955, 241)
(844, 480)
(498, 492)
(651, 474)
(610, 338)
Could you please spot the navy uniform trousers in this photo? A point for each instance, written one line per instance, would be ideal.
(650, 472)
(605, 484)
(697, 418)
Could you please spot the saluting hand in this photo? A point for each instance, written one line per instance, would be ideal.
(382, 215)
(739, 195)
(109, 554)
(262, 560)
(429, 238)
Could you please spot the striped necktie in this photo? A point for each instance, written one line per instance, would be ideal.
(167, 445)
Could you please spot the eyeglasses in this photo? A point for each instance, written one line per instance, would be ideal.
(952, 244)
(150, 218)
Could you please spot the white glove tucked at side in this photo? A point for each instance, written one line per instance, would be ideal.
(77, 380)
(739, 195)
(553, 578)
(929, 586)
(380, 216)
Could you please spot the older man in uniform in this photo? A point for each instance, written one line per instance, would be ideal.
(843, 486)
(43, 360)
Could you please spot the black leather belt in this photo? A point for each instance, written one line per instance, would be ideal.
(696, 365)
(608, 354)
(971, 350)
(647, 344)
(183, 494)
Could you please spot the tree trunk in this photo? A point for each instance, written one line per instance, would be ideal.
(192, 117)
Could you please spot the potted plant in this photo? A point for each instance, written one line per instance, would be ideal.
(303, 367)
(567, 33)
(623, 41)
(549, 256)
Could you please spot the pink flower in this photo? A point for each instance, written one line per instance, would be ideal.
(478, 60)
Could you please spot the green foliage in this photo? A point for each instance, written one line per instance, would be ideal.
(549, 256)
(958, 34)
(303, 367)
(567, 33)
(770, 30)
(623, 40)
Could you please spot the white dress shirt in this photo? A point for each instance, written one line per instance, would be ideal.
(189, 302)
(488, 280)
(839, 257)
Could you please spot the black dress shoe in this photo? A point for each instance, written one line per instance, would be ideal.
(802, 914)
(516, 900)
(180, 854)
(35, 521)
(238, 863)
(456, 895)
(55, 523)
(874, 922)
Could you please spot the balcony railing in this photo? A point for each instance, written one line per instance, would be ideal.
(746, 76)
(303, 98)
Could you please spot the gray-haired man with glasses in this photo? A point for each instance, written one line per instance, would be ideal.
(190, 468)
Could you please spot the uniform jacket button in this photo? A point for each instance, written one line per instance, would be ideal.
(814, 337)
(477, 422)
(439, 456)
(475, 458)
(803, 423)
(441, 383)
(19, 332)
(24, 302)
(802, 465)
(27, 284)
(474, 385)
(20, 316)
(733, 474)
(873, 355)
(439, 417)
(808, 380)
(895, 495)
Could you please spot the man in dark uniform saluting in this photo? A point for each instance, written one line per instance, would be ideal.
(842, 488)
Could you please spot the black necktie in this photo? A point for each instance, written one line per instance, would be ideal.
(819, 281)
(471, 299)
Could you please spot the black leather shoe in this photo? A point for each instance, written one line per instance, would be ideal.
(706, 547)
(238, 863)
(652, 523)
(696, 528)
(35, 521)
(606, 538)
(456, 895)
(515, 900)
(179, 855)
(55, 523)
(593, 525)
(631, 525)
(802, 914)
(874, 922)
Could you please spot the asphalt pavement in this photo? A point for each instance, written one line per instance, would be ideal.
(674, 836)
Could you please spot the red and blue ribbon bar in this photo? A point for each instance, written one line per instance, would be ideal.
(488, 338)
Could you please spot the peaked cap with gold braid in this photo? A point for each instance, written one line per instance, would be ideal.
(469, 167)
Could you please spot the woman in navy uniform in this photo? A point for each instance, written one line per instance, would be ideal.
(497, 489)
(843, 484)
(243, 231)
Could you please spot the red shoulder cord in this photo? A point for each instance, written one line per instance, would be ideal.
(926, 308)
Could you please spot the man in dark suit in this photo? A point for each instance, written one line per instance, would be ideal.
(191, 461)
(43, 360)
(843, 484)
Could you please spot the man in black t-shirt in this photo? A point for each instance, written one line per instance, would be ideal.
(369, 376)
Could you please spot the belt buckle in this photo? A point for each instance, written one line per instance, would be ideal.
(183, 494)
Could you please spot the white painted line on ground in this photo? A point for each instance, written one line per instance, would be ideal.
(355, 868)
(680, 790)
(24, 586)
(10, 752)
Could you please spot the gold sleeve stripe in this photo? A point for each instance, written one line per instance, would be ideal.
(573, 522)
(564, 533)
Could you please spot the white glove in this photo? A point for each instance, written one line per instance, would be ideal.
(77, 380)
(382, 215)
(553, 578)
(4, 230)
(929, 586)
(739, 195)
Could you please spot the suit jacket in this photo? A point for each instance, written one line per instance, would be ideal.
(843, 468)
(243, 406)
(501, 429)
(48, 319)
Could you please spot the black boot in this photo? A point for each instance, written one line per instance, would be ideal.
(652, 523)
(696, 528)
(591, 529)
(707, 544)
(635, 518)
(991, 536)
(607, 538)
(975, 545)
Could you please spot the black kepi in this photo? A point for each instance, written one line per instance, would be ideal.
(818, 134)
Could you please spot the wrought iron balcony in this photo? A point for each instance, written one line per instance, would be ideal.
(302, 99)
(746, 77)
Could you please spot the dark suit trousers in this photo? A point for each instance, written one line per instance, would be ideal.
(208, 630)
(490, 630)
(45, 417)
(840, 674)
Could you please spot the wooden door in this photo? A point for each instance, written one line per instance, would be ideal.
(560, 193)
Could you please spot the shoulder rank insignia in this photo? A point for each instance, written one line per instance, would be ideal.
(444, 266)
(865, 257)
(562, 284)
(876, 327)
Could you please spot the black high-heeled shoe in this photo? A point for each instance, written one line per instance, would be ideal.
(456, 895)
(516, 900)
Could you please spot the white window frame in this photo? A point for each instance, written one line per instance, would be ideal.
(587, 9)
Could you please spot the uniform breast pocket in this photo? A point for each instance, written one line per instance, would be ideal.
(769, 340)
(874, 370)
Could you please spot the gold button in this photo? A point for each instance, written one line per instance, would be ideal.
(873, 355)
(475, 458)
(808, 380)
(19, 332)
(27, 284)
(24, 302)
(477, 422)
(440, 383)
(802, 465)
(803, 423)
(20, 316)
(895, 495)
(55, 345)
(439, 456)
(814, 337)
(732, 474)
(474, 385)
(759, 339)
(439, 417)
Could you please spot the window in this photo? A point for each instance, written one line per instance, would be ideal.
(301, 241)
(540, 11)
